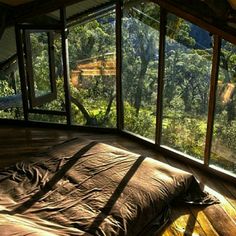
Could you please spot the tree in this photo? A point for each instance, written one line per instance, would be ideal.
(140, 40)
(94, 98)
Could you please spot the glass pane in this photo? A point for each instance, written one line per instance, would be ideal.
(40, 62)
(47, 118)
(188, 55)
(57, 104)
(43, 84)
(140, 45)
(92, 47)
(223, 152)
(10, 90)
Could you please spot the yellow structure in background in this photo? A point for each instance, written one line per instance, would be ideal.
(99, 66)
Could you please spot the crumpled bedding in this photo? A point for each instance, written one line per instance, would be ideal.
(82, 187)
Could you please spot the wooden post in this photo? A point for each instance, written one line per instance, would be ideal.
(20, 54)
(119, 99)
(212, 98)
(65, 58)
(161, 72)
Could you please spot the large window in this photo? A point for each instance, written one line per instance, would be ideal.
(223, 152)
(140, 50)
(188, 58)
(92, 49)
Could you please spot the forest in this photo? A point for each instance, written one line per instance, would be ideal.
(187, 78)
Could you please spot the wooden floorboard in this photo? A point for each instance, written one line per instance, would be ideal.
(18, 143)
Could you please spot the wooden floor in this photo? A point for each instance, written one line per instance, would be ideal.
(20, 143)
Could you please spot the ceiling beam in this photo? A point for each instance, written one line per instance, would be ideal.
(91, 13)
(201, 17)
(6, 7)
(40, 7)
(2, 22)
(5, 19)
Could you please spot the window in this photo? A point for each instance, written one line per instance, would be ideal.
(40, 67)
(10, 89)
(45, 79)
(140, 45)
(223, 152)
(92, 58)
(188, 58)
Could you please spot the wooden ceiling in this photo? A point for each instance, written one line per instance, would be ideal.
(15, 2)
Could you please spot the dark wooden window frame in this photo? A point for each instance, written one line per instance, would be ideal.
(218, 34)
(40, 100)
(165, 8)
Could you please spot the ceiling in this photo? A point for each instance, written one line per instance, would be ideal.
(15, 2)
(232, 3)
(219, 12)
(7, 36)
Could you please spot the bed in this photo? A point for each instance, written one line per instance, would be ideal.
(82, 187)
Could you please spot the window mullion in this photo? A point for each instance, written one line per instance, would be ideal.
(212, 97)
(119, 106)
(161, 72)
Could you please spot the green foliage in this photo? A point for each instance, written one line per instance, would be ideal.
(185, 134)
(142, 124)
(10, 86)
(91, 39)
(94, 97)
(225, 131)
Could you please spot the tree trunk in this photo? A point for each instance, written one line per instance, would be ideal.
(138, 94)
(105, 118)
(89, 120)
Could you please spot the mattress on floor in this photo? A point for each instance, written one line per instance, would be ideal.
(82, 187)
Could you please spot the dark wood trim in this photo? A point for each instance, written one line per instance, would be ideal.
(7, 62)
(6, 7)
(40, 124)
(39, 7)
(119, 99)
(52, 65)
(164, 151)
(29, 68)
(212, 98)
(47, 112)
(91, 13)
(50, 96)
(65, 58)
(182, 12)
(3, 21)
(161, 74)
(42, 27)
(20, 54)
(215, 173)
(6, 19)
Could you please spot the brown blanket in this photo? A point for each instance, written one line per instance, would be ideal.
(86, 188)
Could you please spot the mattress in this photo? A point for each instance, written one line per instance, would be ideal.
(82, 187)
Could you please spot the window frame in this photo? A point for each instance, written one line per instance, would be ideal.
(52, 95)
